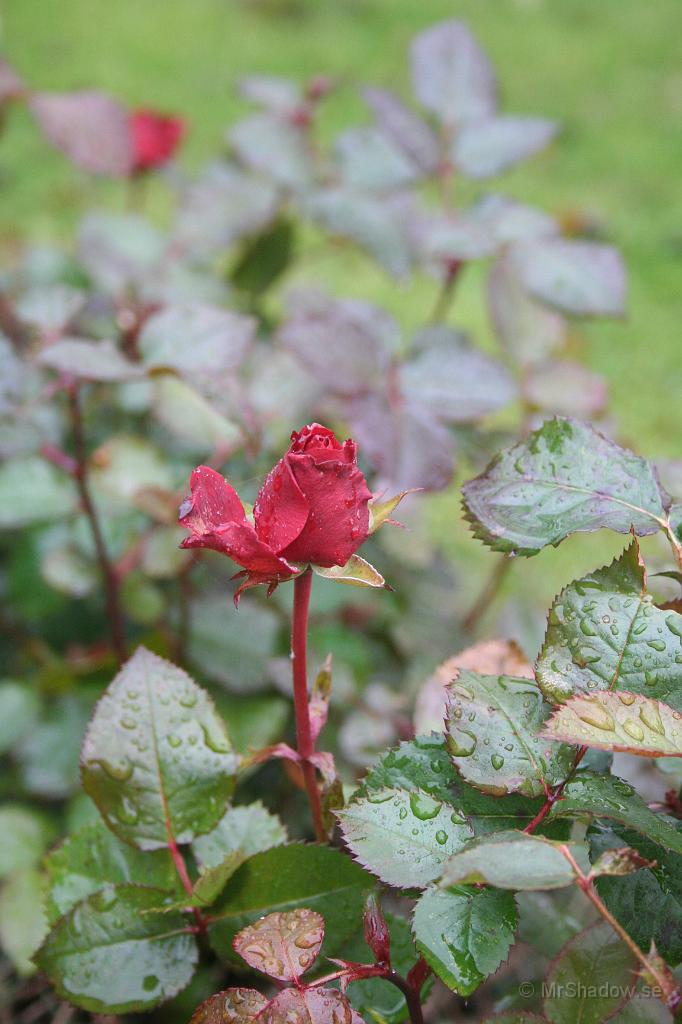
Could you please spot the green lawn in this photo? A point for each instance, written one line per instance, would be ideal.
(607, 69)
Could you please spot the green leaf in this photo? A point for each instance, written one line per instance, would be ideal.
(592, 977)
(515, 1017)
(464, 935)
(33, 491)
(643, 1010)
(547, 920)
(647, 903)
(356, 572)
(515, 860)
(251, 829)
(403, 838)
(156, 758)
(48, 753)
(233, 649)
(370, 160)
(604, 632)
(26, 833)
(381, 511)
(492, 734)
(621, 721)
(187, 415)
(233, 1006)
(605, 796)
(123, 467)
(93, 858)
(284, 878)
(22, 920)
(564, 478)
(19, 708)
(264, 258)
(196, 340)
(207, 887)
(109, 956)
(365, 219)
(424, 764)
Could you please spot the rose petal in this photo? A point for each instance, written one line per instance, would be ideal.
(338, 496)
(212, 504)
(239, 541)
(281, 511)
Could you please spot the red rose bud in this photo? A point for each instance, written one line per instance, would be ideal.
(155, 138)
(377, 935)
(312, 508)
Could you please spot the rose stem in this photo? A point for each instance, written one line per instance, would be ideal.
(109, 575)
(411, 996)
(304, 736)
(487, 595)
(665, 981)
(556, 793)
(446, 292)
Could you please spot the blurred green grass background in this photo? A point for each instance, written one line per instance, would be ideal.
(609, 71)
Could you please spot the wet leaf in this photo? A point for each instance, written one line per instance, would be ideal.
(605, 796)
(464, 935)
(196, 340)
(89, 127)
(490, 657)
(485, 147)
(249, 829)
(564, 478)
(590, 979)
(357, 572)
(451, 75)
(403, 837)
(156, 758)
(93, 858)
(315, 1005)
(109, 956)
(575, 277)
(424, 764)
(604, 632)
(515, 860)
(648, 903)
(492, 735)
(274, 147)
(234, 1006)
(282, 945)
(369, 159)
(285, 878)
(620, 721)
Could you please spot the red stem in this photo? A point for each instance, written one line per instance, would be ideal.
(110, 577)
(555, 794)
(305, 743)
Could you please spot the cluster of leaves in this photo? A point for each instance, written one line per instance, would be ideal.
(146, 350)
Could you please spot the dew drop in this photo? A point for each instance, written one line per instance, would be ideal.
(497, 761)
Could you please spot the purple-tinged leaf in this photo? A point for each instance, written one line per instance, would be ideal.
(451, 74)
(412, 135)
(368, 159)
(484, 148)
(459, 382)
(575, 277)
(275, 148)
(309, 1006)
(620, 720)
(366, 220)
(222, 206)
(50, 307)
(510, 221)
(406, 445)
(564, 478)
(89, 360)
(279, 96)
(282, 945)
(346, 344)
(118, 251)
(566, 388)
(233, 1006)
(197, 341)
(90, 128)
(11, 85)
(528, 330)
(455, 236)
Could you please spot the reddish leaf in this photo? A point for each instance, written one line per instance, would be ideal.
(234, 1006)
(90, 128)
(309, 1006)
(282, 945)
